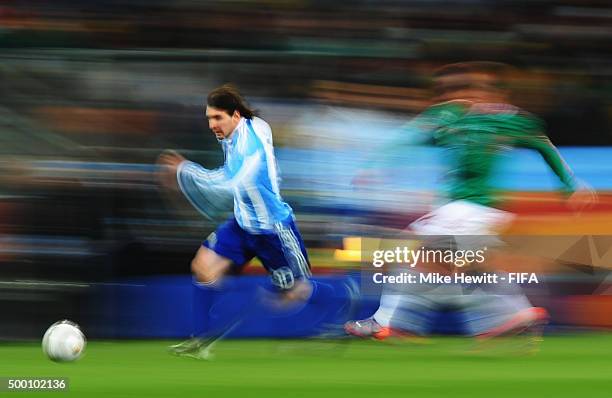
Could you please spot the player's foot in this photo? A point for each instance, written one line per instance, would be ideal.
(528, 321)
(369, 328)
(203, 352)
(196, 348)
(521, 334)
(366, 328)
(201, 347)
(186, 347)
(348, 310)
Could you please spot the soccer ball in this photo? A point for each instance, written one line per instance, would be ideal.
(64, 342)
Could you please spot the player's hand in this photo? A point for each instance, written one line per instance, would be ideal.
(582, 199)
(170, 158)
(168, 163)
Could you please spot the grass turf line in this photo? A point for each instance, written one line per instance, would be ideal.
(566, 366)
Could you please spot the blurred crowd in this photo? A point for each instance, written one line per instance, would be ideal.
(121, 68)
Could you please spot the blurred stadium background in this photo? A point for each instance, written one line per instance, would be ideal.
(92, 91)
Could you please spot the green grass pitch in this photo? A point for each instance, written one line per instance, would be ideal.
(565, 366)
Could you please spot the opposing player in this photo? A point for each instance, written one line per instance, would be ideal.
(262, 224)
(474, 122)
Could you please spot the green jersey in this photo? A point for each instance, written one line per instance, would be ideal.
(476, 134)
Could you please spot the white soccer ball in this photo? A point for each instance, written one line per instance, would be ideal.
(64, 342)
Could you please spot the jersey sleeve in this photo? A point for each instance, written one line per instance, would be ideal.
(188, 171)
(536, 140)
(207, 190)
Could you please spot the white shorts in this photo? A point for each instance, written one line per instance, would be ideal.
(463, 218)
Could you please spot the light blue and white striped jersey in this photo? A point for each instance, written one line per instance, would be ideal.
(250, 174)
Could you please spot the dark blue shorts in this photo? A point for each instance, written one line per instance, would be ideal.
(282, 251)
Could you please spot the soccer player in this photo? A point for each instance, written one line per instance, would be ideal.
(262, 224)
(474, 122)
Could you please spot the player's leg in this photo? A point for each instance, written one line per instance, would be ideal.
(494, 310)
(500, 309)
(405, 310)
(402, 310)
(223, 250)
(491, 317)
(494, 315)
(408, 309)
(284, 256)
(209, 267)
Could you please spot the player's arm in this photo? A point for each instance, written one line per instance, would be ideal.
(580, 195)
(206, 190)
(168, 163)
(175, 172)
(246, 163)
(190, 174)
(552, 157)
(199, 185)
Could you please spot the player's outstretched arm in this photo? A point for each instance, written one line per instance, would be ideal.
(168, 163)
(553, 158)
(580, 195)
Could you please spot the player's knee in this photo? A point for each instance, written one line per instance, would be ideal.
(203, 273)
(301, 291)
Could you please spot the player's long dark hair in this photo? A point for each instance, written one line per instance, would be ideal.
(228, 98)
